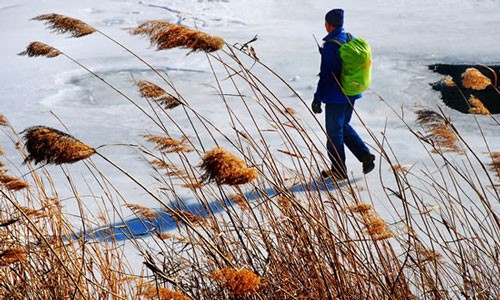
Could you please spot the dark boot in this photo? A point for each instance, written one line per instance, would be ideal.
(368, 163)
(334, 174)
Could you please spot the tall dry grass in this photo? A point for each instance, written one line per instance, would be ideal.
(435, 237)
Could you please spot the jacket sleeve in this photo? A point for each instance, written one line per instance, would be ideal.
(330, 64)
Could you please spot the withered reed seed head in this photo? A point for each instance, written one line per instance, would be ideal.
(157, 94)
(448, 81)
(166, 35)
(12, 255)
(474, 79)
(3, 121)
(238, 282)
(180, 216)
(63, 24)
(145, 212)
(240, 200)
(223, 167)
(477, 107)
(51, 146)
(35, 49)
(428, 117)
(161, 293)
(168, 144)
(361, 208)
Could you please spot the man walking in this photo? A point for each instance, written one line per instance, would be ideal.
(338, 106)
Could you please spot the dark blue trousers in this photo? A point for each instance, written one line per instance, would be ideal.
(339, 132)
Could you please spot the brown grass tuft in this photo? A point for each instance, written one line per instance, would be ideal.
(161, 293)
(146, 212)
(166, 35)
(62, 24)
(180, 216)
(224, 167)
(238, 282)
(168, 144)
(376, 227)
(168, 236)
(45, 144)
(12, 255)
(240, 200)
(35, 49)
(474, 79)
(428, 117)
(12, 183)
(440, 131)
(495, 162)
(477, 107)
(360, 208)
(3, 121)
(289, 111)
(155, 93)
(448, 81)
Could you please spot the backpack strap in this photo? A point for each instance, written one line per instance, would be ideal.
(338, 42)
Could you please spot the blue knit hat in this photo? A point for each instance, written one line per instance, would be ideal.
(335, 17)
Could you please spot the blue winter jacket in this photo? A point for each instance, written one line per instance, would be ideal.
(328, 90)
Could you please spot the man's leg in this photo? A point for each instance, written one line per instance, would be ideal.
(334, 123)
(356, 144)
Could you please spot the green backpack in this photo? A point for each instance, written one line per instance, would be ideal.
(356, 55)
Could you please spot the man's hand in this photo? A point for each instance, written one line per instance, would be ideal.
(316, 106)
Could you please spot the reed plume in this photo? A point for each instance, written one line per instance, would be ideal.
(474, 79)
(157, 94)
(448, 81)
(477, 107)
(240, 200)
(376, 227)
(51, 146)
(180, 216)
(3, 121)
(223, 167)
(63, 24)
(12, 183)
(145, 212)
(161, 293)
(35, 49)
(495, 162)
(12, 255)
(440, 131)
(166, 35)
(168, 144)
(238, 282)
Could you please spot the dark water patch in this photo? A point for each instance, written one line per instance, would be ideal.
(456, 96)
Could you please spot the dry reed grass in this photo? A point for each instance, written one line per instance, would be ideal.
(304, 248)
(157, 94)
(35, 49)
(223, 167)
(441, 134)
(376, 227)
(166, 35)
(145, 212)
(51, 146)
(3, 121)
(448, 81)
(168, 144)
(149, 291)
(11, 183)
(477, 107)
(240, 201)
(238, 282)
(11, 256)
(495, 162)
(474, 79)
(63, 24)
